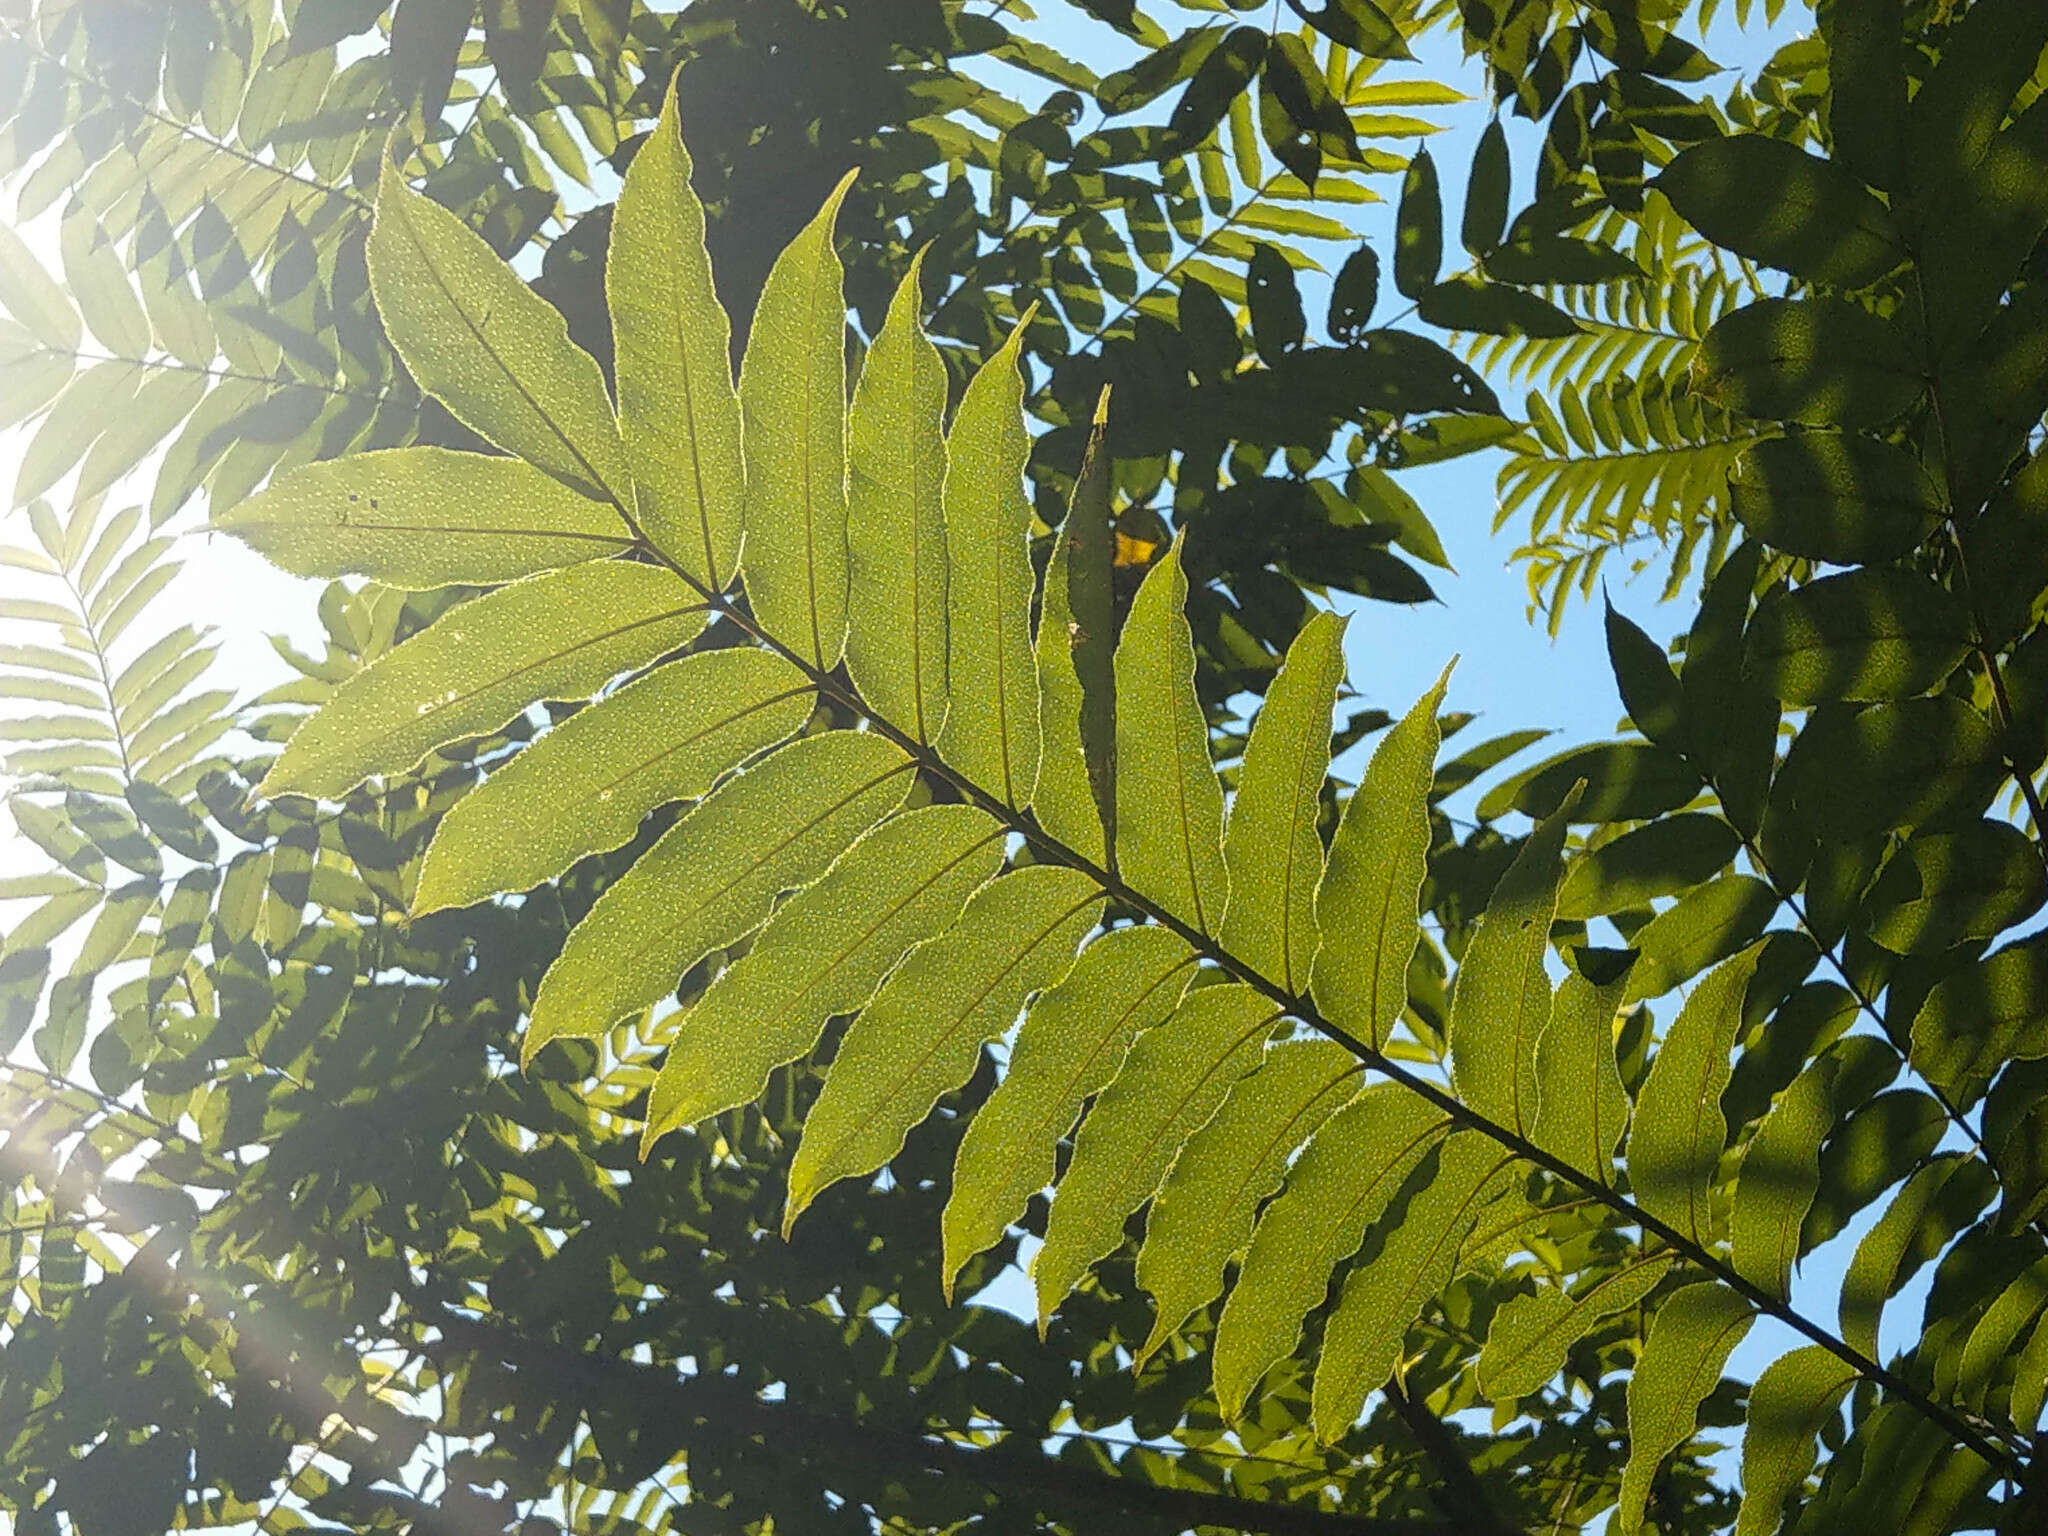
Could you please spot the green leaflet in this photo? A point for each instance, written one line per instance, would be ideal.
(793, 397)
(1075, 798)
(1172, 1081)
(487, 346)
(895, 521)
(1865, 635)
(1418, 1256)
(991, 732)
(1419, 229)
(1679, 1128)
(584, 786)
(177, 931)
(1271, 847)
(1531, 1335)
(1072, 1043)
(1835, 497)
(1794, 1399)
(1981, 1016)
(823, 953)
(416, 518)
(1581, 1105)
(1703, 927)
(678, 412)
(1338, 1188)
(1779, 1177)
(1991, 1341)
(1202, 1216)
(1664, 858)
(1821, 361)
(921, 1036)
(32, 296)
(2030, 1379)
(1690, 1340)
(1773, 202)
(713, 876)
(1501, 1004)
(1367, 907)
(558, 636)
(1169, 805)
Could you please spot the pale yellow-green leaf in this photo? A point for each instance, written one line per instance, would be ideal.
(1418, 1255)
(1995, 1335)
(1071, 1045)
(823, 953)
(1202, 1216)
(921, 1036)
(1531, 1335)
(1368, 906)
(713, 876)
(585, 785)
(1581, 1105)
(1675, 1147)
(678, 411)
(416, 518)
(896, 522)
(1501, 1004)
(558, 636)
(991, 732)
(1690, 1339)
(1794, 1399)
(1270, 845)
(488, 347)
(1779, 1177)
(1172, 1081)
(1341, 1184)
(1075, 799)
(1169, 805)
(793, 400)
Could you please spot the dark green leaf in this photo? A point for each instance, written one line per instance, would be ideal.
(1218, 81)
(1486, 193)
(1874, 1148)
(1943, 888)
(1864, 635)
(1277, 323)
(1354, 295)
(1772, 202)
(1493, 309)
(1625, 781)
(1891, 765)
(1820, 361)
(1650, 690)
(1827, 496)
(1665, 858)
(1419, 229)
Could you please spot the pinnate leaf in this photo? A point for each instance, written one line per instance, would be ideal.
(558, 636)
(585, 785)
(712, 877)
(923, 1033)
(824, 953)
(416, 518)
(487, 346)
(1072, 1043)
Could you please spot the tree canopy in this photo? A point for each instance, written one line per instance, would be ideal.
(829, 559)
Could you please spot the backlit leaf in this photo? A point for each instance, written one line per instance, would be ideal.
(1581, 1106)
(1690, 1340)
(1864, 635)
(1795, 1399)
(1531, 1335)
(1780, 1173)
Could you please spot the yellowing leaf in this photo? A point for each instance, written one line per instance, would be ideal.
(1172, 1081)
(1338, 1188)
(712, 877)
(824, 953)
(991, 732)
(1169, 806)
(487, 346)
(1271, 846)
(416, 518)
(1531, 1335)
(1072, 1043)
(1367, 905)
(677, 408)
(793, 398)
(585, 785)
(923, 1033)
(1202, 1217)
(1418, 1256)
(559, 636)
(896, 524)
(1690, 1339)
(1501, 1004)
(1675, 1148)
